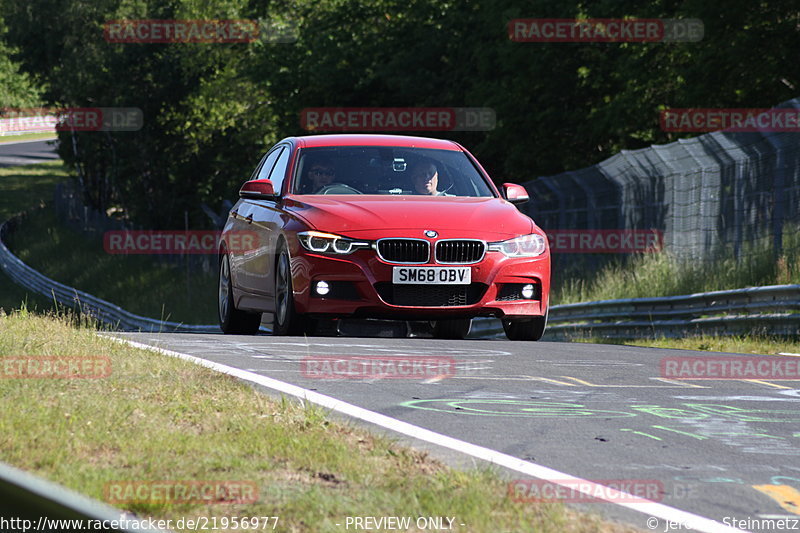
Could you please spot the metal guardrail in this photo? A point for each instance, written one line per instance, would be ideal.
(29, 502)
(29, 124)
(772, 310)
(71, 297)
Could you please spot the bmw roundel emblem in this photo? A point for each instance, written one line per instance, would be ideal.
(431, 234)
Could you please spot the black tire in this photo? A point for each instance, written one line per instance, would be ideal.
(287, 320)
(452, 328)
(232, 320)
(526, 329)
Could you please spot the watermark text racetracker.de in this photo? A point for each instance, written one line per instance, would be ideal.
(398, 119)
(689, 120)
(376, 367)
(576, 241)
(731, 367)
(36, 119)
(583, 491)
(178, 241)
(54, 367)
(608, 30)
(181, 492)
(133, 523)
(210, 31)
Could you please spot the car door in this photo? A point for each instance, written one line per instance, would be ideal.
(264, 218)
(243, 260)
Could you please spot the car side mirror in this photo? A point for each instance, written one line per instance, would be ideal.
(257, 190)
(516, 194)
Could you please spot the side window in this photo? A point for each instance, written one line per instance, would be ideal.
(269, 162)
(279, 172)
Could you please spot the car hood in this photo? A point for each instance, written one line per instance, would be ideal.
(371, 217)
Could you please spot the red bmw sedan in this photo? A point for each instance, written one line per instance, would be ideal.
(380, 226)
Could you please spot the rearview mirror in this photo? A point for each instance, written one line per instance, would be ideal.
(257, 190)
(516, 194)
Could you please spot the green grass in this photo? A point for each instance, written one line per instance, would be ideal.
(26, 137)
(24, 188)
(752, 344)
(156, 418)
(28, 186)
(661, 274)
(138, 284)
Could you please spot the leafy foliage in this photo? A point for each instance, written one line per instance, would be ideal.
(17, 89)
(211, 109)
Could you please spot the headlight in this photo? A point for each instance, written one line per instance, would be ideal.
(328, 243)
(524, 246)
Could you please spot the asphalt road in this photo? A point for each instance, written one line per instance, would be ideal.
(722, 448)
(26, 153)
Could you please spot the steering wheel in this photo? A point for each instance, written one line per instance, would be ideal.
(338, 188)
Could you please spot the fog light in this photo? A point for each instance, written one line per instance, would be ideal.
(527, 291)
(322, 288)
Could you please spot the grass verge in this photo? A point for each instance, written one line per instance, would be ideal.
(156, 418)
(661, 274)
(751, 344)
(138, 284)
(23, 188)
(27, 137)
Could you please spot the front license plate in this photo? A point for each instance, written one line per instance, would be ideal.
(432, 275)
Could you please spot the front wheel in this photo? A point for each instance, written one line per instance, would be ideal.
(232, 320)
(453, 328)
(525, 329)
(287, 320)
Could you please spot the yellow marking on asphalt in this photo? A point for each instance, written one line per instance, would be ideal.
(682, 383)
(767, 383)
(679, 432)
(641, 433)
(518, 378)
(588, 384)
(786, 496)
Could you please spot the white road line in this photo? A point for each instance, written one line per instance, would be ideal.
(653, 509)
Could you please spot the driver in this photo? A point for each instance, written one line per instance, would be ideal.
(425, 178)
(321, 173)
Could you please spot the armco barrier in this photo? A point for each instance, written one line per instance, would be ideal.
(25, 125)
(103, 311)
(47, 506)
(773, 310)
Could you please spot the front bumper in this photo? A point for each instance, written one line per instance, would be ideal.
(362, 287)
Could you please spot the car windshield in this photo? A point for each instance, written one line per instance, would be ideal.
(387, 170)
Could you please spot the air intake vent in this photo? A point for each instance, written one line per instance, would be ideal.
(408, 251)
(431, 295)
(459, 252)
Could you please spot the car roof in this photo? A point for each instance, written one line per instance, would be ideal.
(405, 141)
